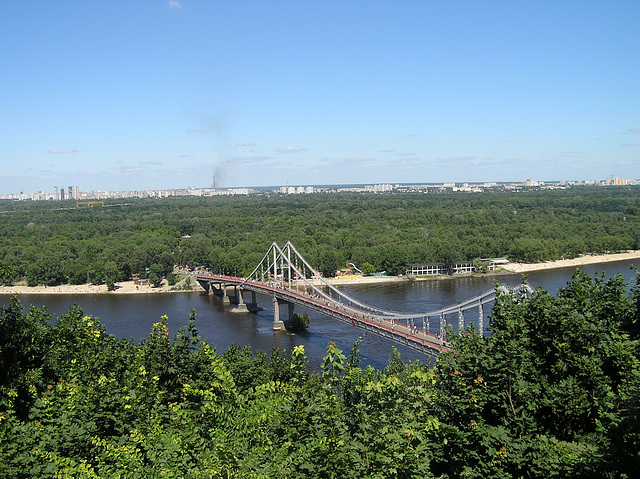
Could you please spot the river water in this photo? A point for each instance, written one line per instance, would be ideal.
(132, 316)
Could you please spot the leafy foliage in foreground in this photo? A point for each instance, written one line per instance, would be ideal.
(554, 392)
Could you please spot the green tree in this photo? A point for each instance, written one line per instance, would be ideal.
(368, 269)
(7, 275)
(480, 266)
(299, 322)
(156, 274)
(553, 377)
(111, 274)
(24, 342)
(328, 261)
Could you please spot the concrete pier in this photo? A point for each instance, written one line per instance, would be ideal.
(206, 285)
(241, 307)
(225, 296)
(253, 304)
(278, 324)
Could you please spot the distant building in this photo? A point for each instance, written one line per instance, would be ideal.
(239, 191)
(73, 192)
(620, 181)
(426, 269)
(460, 267)
(615, 181)
(463, 267)
(378, 188)
(295, 190)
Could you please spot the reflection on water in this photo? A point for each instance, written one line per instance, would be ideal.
(132, 316)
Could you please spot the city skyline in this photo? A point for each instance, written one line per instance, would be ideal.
(169, 94)
(75, 193)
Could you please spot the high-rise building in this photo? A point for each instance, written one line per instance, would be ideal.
(62, 194)
(620, 181)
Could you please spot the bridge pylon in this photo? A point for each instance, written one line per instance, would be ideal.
(289, 279)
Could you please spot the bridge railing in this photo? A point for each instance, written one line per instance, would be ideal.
(281, 267)
(277, 263)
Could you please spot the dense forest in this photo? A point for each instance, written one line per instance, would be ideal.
(553, 392)
(49, 244)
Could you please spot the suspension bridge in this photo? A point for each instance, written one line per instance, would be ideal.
(285, 276)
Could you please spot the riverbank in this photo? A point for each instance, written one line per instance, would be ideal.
(509, 268)
(584, 260)
(129, 287)
(123, 287)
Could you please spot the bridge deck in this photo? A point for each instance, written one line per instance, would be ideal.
(388, 328)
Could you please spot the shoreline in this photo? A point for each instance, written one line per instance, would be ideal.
(129, 287)
(517, 268)
(122, 287)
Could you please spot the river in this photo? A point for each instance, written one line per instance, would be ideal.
(132, 316)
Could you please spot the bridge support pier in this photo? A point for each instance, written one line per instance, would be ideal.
(274, 277)
(277, 323)
(253, 304)
(206, 285)
(241, 307)
(225, 296)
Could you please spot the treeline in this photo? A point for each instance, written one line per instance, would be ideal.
(553, 392)
(49, 245)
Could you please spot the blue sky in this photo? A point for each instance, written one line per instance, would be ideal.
(161, 94)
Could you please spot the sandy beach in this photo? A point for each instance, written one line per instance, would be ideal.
(123, 287)
(129, 287)
(575, 262)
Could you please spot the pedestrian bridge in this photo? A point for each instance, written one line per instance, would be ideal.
(288, 279)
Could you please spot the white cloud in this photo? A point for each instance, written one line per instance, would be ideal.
(289, 149)
(633, 130)
(245, 145)
(63, 151)
(194, 130)
(174, 4)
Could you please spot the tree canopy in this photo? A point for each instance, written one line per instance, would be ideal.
(554, 391)
(48, 245)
